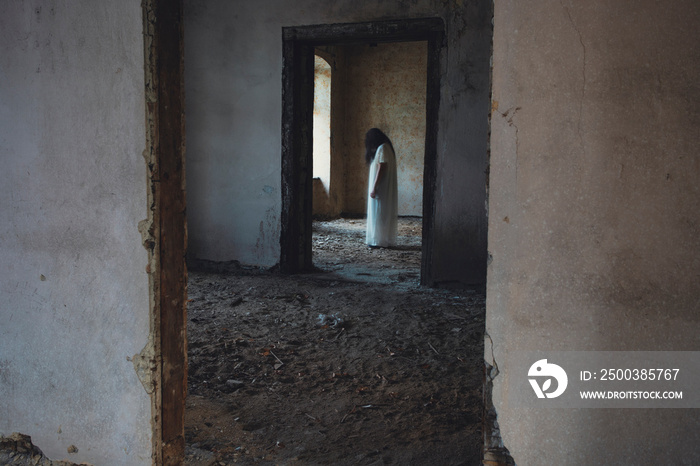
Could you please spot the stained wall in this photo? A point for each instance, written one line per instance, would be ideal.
(385, 87)
(233, 75)
(74, 307)
(594, 209)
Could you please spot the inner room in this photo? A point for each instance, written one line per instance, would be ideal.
(358, 87)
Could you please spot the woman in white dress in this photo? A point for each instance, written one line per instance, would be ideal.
(382, 192)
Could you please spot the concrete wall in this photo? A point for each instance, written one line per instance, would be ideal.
(594, 207)
(74, 291)
(385, 88)
(233, 71)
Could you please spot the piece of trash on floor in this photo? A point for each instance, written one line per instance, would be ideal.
(332, 320)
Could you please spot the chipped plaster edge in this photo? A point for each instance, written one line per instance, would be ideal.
(146, 363)
(495, 451)
(145, 366)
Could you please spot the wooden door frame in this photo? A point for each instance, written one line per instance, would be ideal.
(165, 231)
(297, 124)
(164, 364)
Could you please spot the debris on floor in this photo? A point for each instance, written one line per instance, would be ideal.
(353, 364)
(18, 450)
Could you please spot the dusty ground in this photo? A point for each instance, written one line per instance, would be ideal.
(354, 364)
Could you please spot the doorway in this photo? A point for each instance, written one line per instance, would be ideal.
(296, 213)
(299, 45)
(357, 87)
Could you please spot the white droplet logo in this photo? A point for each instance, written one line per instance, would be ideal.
(543, 369)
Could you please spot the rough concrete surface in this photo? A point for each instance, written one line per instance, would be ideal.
(74, 289)
(593, 211)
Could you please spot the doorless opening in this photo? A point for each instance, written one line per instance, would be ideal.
(297, 125)
(357, 87)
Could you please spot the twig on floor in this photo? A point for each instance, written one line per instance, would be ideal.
(431, 347)
(352, 411)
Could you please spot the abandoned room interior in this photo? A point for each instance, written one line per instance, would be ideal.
(185, 278)
(327, 394)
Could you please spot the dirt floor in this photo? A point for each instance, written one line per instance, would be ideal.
(353, 364)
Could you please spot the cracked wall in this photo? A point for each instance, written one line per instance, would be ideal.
(75, 302)
(594, 205)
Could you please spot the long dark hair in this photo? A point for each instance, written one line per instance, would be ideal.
(373, 139)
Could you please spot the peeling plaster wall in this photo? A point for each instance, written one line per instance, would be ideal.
(385, 87)
(594, 207)
(233, 76)
(75, 304)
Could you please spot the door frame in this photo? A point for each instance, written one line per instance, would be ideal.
(297, 125)
(164, 231)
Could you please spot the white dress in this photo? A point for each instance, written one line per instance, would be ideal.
(382, 211)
